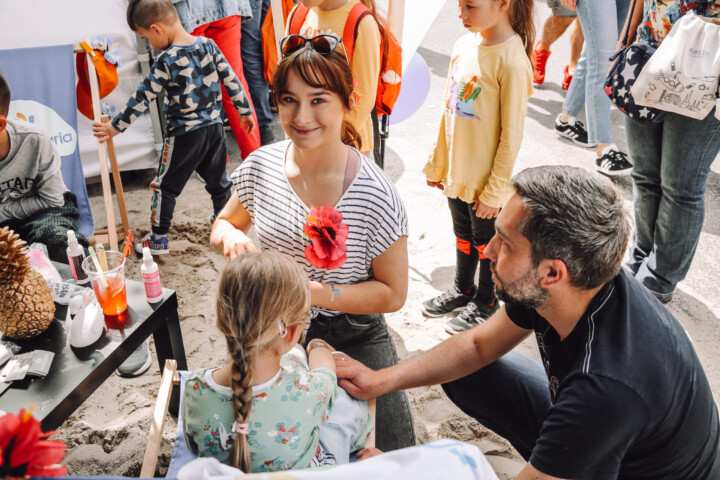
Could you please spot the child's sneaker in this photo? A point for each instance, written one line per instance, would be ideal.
(573, 130)
(567, 77)
(211, 220)
(539, 58)
(613, 162)
(157, 245)
(474, 314)
(447, 302)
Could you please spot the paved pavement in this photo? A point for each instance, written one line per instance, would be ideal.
(697, 300)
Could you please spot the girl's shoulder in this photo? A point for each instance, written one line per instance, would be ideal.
(201, 382)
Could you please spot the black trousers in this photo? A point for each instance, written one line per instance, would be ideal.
(203, 151)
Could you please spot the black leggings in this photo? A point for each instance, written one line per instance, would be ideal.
(473, 234)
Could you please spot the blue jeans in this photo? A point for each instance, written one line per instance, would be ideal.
(511, 397)
(672, 161)
(601, 20)
(341, 430)
(366, 339)
(253, 63)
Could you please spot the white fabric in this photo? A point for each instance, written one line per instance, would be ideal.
(34, 24)
(441, 459)
(682, 75)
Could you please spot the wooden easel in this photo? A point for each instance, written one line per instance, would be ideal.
(106, 150)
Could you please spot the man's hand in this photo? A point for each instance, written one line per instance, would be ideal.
(436, 184)
(569, 3)
(358, 380)
(247, 123)
(483, 211)
(104, 131)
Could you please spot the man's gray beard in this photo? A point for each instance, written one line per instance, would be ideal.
(525, 291)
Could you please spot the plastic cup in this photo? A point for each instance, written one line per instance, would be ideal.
(112, 296)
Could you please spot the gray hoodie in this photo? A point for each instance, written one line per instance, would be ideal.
(30, 177)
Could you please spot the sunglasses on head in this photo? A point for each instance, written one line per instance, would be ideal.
(322, 44)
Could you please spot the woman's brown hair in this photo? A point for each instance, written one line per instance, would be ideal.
(259, 293)
(331, 72)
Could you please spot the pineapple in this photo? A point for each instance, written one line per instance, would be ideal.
(26, 304)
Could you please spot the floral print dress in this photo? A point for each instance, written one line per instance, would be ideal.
(284, 421)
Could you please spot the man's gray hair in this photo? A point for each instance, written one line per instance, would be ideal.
(574, 216)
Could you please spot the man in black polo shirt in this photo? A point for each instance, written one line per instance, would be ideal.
(622, 393)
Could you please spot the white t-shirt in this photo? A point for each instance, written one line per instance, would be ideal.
(371, 208)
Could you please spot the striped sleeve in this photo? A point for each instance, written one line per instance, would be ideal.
(244, 186)
(148, 91)
(389, 220)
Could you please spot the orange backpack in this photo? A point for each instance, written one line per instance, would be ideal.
(270, 57)
(388, 87)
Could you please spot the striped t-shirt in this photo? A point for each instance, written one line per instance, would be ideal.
(371, 208)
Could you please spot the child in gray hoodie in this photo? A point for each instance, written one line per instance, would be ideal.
(34, 201)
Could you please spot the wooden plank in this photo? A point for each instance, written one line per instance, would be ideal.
(278, 23)
(102, 152)
(118, 183)
(370, 442)
(158, 420)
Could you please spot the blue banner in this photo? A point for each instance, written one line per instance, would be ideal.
(42, 86)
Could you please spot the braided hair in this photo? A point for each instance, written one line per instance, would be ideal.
(255, 291)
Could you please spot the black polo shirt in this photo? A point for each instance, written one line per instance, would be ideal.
(630, 399)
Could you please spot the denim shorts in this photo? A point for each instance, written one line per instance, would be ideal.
(560, 10)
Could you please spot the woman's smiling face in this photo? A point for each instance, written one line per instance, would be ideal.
(312, 117)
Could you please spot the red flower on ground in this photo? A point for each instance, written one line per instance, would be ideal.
(24, 450)
(328, 234)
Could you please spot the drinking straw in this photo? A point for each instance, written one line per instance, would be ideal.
(102, 257)
(97, 267)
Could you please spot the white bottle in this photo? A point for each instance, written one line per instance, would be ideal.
(76, 255)
(151, 277)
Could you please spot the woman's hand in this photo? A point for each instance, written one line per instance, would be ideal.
(236, 243)
(569, 3)
(436, 184)
(366, 453)
(483, 211)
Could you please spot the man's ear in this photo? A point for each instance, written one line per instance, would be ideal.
(552, 273)
(3, 122)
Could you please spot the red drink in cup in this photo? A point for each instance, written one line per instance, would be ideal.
(111, 293)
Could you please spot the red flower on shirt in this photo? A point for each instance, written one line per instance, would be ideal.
(24, 450)
(328, 234)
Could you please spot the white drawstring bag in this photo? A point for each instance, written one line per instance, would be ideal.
(682, 75)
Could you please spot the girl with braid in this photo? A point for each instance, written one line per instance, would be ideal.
(262, 410)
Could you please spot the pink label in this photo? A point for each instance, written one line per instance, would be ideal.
(153, 289)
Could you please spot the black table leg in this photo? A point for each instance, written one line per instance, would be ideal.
(169, 344)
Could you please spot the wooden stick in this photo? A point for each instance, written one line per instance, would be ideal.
(102, 153)
(278, 18)
(158, 420)
(118, 182)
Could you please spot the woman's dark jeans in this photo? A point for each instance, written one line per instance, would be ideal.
(671, 163)
(366, 339)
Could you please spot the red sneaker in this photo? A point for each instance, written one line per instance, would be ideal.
(567, 77)
(539, 59)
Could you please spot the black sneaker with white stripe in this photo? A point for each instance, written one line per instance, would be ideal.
(613, 162)
(573, 130)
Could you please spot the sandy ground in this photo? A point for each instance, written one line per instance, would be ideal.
(108, 434)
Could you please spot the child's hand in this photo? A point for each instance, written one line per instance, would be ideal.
(483, 211)
(366, 453)
(436, 185)
(247, 123)
(104, 131)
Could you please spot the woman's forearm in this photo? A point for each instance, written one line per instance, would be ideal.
(368, 297)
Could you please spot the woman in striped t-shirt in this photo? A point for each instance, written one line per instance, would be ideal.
(277, 187)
